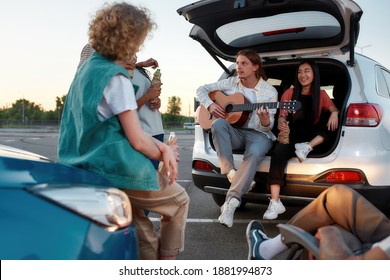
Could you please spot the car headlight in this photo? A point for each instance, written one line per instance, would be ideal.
(107, 206)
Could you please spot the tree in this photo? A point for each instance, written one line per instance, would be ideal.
(174, 106)
(25, 110)
(60, 102)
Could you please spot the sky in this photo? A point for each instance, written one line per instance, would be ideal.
(41, 41)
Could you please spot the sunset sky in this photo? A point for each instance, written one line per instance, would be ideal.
(41, 43)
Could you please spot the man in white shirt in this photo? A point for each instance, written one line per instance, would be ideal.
(254, 136)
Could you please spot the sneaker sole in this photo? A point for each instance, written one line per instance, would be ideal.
(219, 218)
(301, 159)
(251, 226)
(223, 223)
(277, 214)
(269, 218)
(235, 203)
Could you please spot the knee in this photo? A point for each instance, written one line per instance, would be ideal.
(184, 203)
(258, 151)
(256, 157)
(337, 191)
(338, 188)
(182, 197)
(185, 199)
(278, 155)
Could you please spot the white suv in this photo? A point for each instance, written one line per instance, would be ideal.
(284, 32)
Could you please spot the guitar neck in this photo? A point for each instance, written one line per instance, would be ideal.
(254, 106)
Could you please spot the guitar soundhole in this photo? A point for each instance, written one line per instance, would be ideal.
(228, 108)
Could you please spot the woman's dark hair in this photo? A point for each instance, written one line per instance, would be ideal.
(315, 87)
(255, 58)
(144, 72)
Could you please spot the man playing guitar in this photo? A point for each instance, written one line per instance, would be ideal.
(254, 136)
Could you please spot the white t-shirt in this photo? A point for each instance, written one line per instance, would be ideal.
(150, 119)
(118, 96)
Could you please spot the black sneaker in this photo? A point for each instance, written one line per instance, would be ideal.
(255, 236)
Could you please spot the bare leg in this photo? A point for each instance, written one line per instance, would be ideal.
(316, 141)
(275, 191)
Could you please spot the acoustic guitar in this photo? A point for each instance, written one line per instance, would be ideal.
(238, 109)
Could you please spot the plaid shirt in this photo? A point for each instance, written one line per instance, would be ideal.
(85, 54)
(263, 92)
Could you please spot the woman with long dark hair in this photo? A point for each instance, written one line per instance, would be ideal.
(306, 131)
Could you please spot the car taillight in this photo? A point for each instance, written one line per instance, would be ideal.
(364, 115)
(201, 165)
(342, 177)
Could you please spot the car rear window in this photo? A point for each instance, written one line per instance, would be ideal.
(282, 27)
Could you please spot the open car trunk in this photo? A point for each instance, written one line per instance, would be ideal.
(334, 79)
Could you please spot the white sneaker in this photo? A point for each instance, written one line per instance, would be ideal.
(274, 209)
(299, 146)
(231, 175)
(227, 210)
(302, 151)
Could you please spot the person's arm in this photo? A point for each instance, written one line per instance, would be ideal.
(146, 144)
(283, 114)
(333, 121)
(156, 104)
(328, 104)
(283, 123)
(333, 247)
(266, 115)
(152, 93)
(120, 99)
(202, 94)
(151, 62)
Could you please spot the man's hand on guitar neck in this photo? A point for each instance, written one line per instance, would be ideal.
(217, 111)
(263, 114)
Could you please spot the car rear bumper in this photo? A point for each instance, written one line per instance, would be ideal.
(297, 191)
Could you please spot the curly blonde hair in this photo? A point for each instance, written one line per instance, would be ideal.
(118, 30)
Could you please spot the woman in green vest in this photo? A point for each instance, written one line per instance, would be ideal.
(100, 131)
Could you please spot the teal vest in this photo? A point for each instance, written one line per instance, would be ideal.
(100, 147)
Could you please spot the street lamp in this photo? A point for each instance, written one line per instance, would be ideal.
(59, 115)
(361, 48)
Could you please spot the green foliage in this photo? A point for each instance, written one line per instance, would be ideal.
(172, 121)
(23, 110)
(174, 106)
